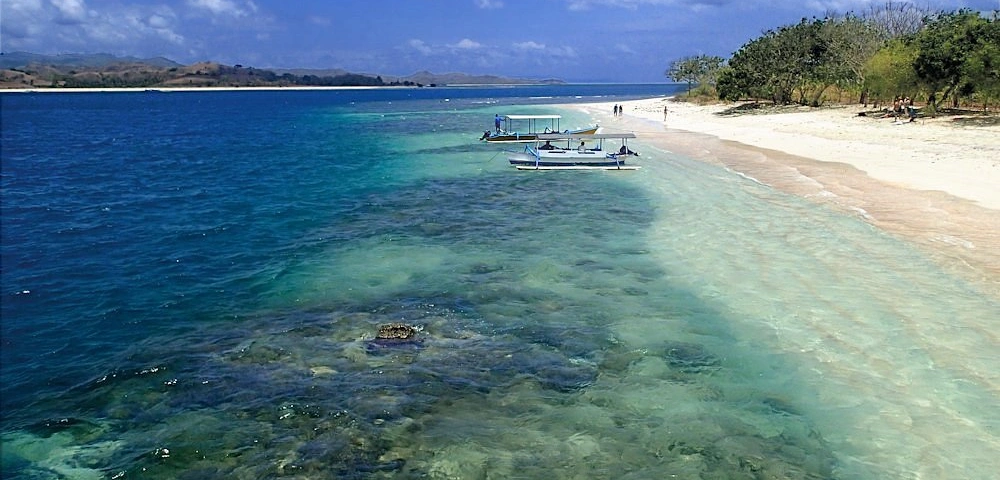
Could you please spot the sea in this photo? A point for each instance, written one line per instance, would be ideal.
(194, 285)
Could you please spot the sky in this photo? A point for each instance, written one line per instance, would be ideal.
(616, 41)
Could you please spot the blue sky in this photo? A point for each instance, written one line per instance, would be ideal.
(574, 40)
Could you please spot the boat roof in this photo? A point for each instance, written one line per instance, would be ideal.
(583, 136)
(533, 117)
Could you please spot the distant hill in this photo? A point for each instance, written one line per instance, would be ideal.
(29, 70)
(428, 78)
(19, 59)
(425, 77)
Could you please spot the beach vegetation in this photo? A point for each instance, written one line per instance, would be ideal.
(890, 72)
(793, 64)
(983, 65)
(893, 51)
(700, 70)
(958, 57)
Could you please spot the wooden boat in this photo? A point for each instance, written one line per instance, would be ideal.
(526, 128)
(575, 153)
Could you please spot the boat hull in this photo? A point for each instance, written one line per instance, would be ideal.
(566, 159)
(528, 137)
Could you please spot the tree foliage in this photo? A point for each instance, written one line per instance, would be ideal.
(982, 66)
(957, 54)
(797, 62)
(700, 69)
(889, 72)
(889, 51)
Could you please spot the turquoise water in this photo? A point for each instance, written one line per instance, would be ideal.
(192, 283)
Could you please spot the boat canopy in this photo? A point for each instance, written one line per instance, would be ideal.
(583, 136)
(532, 117)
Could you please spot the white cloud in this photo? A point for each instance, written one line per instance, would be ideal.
(163, 25)
(60, 26)
(21, 5)
(133, 26)
(70, 11)
(466, 44)
(489, 4)
(225, 7)
(529, 46)
(621, 47)
(420, 46)
(21, 20)
(536, 48)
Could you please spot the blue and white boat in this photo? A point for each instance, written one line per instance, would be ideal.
(526, 128)
(575, 151)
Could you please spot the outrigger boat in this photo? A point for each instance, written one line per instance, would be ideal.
(543, 155)
(533, 126)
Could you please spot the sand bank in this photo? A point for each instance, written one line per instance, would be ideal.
(934, 181)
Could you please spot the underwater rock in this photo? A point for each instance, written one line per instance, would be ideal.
(571, 340)
(396, 331)
(256, 353)
(690, 357)
(779, 406)
(459, 461)
(485, 268)
(762, 458)
(394, 335)
(74, 426)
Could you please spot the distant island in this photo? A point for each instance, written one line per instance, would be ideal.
(29, 70)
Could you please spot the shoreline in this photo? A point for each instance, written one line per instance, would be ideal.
(935, 182)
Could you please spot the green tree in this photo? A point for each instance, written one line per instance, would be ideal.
(749, 71)
(890, 71)
(982, 65)
(853, 41)
(701, 70)
(948, 49)
(776, 65)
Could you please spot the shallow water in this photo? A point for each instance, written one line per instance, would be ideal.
(185, 301)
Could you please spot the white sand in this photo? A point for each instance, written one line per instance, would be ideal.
(934, 181)
(928, 154)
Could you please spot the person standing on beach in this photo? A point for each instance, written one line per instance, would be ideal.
(664, 113)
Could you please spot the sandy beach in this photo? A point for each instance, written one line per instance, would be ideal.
(935, 181)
